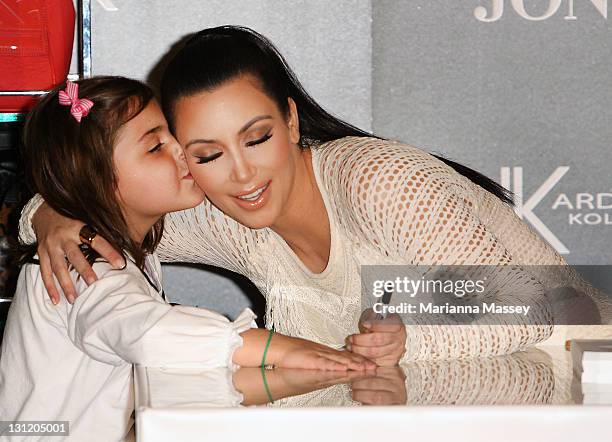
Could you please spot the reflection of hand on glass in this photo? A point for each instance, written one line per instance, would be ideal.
(387, 387)
(288, 382)
(520, 378)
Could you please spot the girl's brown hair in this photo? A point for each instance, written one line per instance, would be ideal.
(71, 164)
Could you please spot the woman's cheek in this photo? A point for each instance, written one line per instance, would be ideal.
(197, 174)
(207, 180)
(279, 155)
(218, 183)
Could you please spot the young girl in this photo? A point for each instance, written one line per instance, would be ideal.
(299, 200)
(100, 151)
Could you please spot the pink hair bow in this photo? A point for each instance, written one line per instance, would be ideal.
(79, 107)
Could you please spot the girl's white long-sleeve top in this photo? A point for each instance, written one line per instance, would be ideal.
(388, 203)
(74, 362)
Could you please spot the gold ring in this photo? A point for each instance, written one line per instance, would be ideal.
(87, 234)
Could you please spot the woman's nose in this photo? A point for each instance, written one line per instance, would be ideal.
(243, 170)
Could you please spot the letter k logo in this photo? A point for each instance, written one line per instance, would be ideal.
(525, 209)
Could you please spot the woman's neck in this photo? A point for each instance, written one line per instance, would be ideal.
(304, 224)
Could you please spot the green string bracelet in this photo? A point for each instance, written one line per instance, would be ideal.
(263, 360)
(267, 388)
(263, 366)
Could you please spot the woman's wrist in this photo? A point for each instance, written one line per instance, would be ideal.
(38, 213)
(26, 230)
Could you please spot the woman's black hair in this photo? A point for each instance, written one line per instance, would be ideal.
(213, 56)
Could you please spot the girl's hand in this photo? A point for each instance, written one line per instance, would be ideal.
(288, 352)
(58, 245)
(381, 340)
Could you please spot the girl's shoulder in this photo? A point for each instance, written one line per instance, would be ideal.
(103, 270)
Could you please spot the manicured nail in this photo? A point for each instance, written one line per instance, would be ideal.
(118, 264)
(367, 324)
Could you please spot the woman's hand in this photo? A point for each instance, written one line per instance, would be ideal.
(381, 340)
(387, 387)
(58, 245)
(300, 353)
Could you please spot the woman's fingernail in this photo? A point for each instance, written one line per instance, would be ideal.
(118, 264)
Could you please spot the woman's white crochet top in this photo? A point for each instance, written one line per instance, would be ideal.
(388, 203)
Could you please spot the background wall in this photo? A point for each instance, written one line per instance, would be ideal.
(519, 90)
(512, 93)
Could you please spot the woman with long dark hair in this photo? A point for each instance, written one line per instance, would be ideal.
(299, 200)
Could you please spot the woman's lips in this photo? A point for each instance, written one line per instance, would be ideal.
(258, 201)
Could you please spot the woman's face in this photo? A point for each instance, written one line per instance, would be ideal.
(241, 150)
(152, 174)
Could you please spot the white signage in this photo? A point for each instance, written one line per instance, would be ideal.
(496, 10)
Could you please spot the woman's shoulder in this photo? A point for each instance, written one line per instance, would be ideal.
(371, 145)
(353, 163)
(363, 155)
(372, 181)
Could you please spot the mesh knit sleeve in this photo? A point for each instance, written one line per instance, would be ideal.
(202, 235)
(529, 249)
(26, 232)
(205, 235)
(402, 201)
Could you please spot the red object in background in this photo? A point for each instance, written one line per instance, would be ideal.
(36, 38)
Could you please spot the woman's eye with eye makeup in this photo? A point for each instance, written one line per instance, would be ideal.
(263, 139)
(209, 158)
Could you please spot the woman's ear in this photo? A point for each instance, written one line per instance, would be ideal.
(293, 122)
